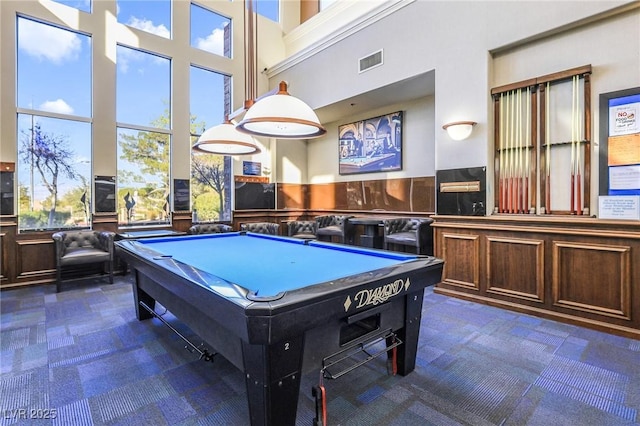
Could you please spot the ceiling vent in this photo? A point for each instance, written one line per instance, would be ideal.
(371, 61)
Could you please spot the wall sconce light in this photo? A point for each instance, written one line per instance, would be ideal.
(459, 130)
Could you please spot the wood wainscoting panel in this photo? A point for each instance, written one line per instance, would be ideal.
(35, 260)
(292, 196)
(105, 222)
(8, 230)
(4, 258)
(580, 280)
(415, 194)
(181, 221)
(586, 270)
(461, 256)
(515, 268)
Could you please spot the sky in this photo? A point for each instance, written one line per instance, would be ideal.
(55, 64)
(54, 71)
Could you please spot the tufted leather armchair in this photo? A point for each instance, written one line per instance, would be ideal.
(330, 226)
(409, 232)
(261, 227)
(83, 247)
(305, 229)
(209, 228)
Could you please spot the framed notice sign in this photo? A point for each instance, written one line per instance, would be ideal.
(620, 142)
(251, 168)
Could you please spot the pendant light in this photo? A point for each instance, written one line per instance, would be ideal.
(225, 139)
(281, 116)
(278, 115)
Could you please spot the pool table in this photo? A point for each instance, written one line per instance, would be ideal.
(279, 307)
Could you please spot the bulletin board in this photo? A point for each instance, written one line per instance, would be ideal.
(620, 143)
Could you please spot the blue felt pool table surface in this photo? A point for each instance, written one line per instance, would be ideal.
(268, 265)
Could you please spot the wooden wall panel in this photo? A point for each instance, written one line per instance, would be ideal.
(592, 278)
(308, 9)
(332, 196)
(512, 257)
(579, 270)
(105, 222)
(35, 259)
(461, 260)
(181, 221)
(4, 258)
(415, 194)
(8, 227)
(292, 196)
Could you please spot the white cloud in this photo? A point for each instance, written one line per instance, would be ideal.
(59, 106)
(148, 26)
(213, 43)
(126, 56)
(48, 42)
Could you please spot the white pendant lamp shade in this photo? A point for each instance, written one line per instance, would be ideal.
(224, 139)
(281, 116)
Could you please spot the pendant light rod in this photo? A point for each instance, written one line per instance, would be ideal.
(250, 54)
(278, 115)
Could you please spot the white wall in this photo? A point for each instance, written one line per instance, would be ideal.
(291, 165)
(472, 46)
(418, 157)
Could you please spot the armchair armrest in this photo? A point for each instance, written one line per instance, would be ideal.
(105, 240)
(60, 247)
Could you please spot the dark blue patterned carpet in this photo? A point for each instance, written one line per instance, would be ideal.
(82, 357)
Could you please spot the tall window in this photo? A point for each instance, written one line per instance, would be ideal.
(269, 9)
(83, 5)
(54, 126)
(144, 137)
(210, 174)
(152, 16)
(56, 118)
(210, 31)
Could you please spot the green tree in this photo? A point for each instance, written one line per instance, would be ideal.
(206, 204)
(77, 201)
(149, 184)
(50, 156)
(208, 181)
(209, 171)
(24, 199)
(149, 152)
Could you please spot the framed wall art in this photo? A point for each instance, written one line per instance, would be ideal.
(371, 145)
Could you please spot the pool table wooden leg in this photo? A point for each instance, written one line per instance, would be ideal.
(406, 354)
(272, 374)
